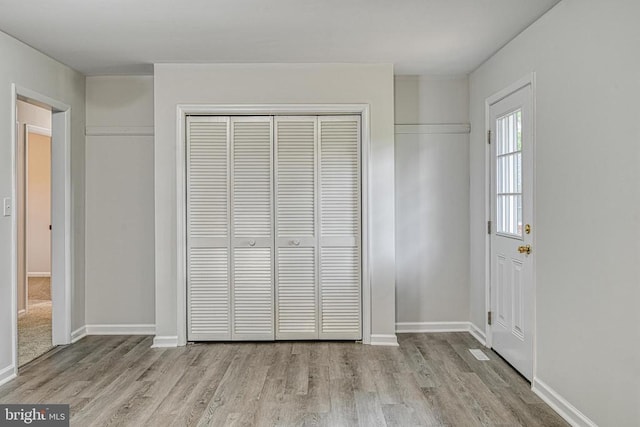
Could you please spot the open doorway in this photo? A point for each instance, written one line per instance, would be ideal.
(34, 230)
(61, 233)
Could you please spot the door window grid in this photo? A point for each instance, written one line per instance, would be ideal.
(509, 174)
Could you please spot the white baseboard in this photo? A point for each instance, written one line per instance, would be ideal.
(39, 274)
(78, 334)
(7, 374)
(391, 340)
(143, 329)
(566, 410)
(164, 341)
(478, 334)
(432, 327)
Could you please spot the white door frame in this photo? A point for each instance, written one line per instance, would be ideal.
(62, 234)
(528, 80)
(183, 110)
(44, 132)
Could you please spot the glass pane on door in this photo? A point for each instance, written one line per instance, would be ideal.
(509, 174)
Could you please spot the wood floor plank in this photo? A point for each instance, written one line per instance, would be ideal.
(419, 367)
(486, 402)
(429, 380)
(215, 413)
(298, 373)
(369, 410)
(169, 407)
(400, 415)
(413, 397)
(107, 400)
(270, 403)
(343, 402)
(197, 399)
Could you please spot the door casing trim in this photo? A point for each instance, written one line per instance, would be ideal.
(183, 110)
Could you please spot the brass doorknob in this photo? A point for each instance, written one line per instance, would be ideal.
(526, 249)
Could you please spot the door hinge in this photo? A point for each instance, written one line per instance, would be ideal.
(489, 318)
(489, 136)
(488, 227)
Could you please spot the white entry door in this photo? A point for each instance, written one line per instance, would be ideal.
(512, 294)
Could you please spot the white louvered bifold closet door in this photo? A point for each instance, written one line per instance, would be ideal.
(296, 225)
(252, 281)
(340, 271)
(208, 294)
(273, 228)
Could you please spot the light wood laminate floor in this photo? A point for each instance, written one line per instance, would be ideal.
(430, 380)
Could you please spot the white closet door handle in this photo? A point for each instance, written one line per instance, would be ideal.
(252, 242)
(295, 242)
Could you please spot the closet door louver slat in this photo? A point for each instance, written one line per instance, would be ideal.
(208, 296)
(252, 179)
(252, 224)
(296, 224)
(297, 289)
(252, 293)
(340, 272)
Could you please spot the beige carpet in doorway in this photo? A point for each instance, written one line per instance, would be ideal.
(34, 326)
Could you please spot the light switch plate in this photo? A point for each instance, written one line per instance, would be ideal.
(6, 206)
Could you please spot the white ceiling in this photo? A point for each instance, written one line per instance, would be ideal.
(128, 36)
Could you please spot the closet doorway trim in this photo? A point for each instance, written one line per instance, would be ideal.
(184, 110)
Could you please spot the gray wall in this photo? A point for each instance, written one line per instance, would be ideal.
(30, 69)
(432, 203)
(431, 99)
(587, 200)
(120, 211)
(284, 84)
